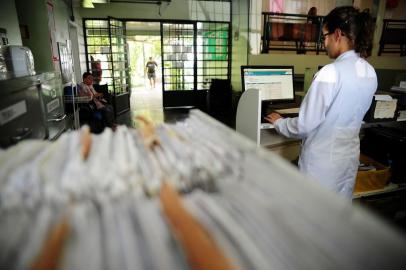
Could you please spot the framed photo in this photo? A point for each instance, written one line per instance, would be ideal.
(65, 62)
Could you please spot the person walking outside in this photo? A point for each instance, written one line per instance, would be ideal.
(150, 66)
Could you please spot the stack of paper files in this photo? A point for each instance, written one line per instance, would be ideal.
(96, 203)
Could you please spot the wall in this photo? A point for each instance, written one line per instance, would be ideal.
(397, 13)
(179, 9)
(61, 14)
(81, 45)
(340, 3)
(300, 62)
(34, 14)
(9, 21)
(387, 68)
(363, 4)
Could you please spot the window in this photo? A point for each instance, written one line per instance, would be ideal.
(212, 52)
(106, 50)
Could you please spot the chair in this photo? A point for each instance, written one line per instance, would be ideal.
(87, 111)
(220, 101)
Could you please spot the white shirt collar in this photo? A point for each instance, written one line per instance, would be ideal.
(347, 54)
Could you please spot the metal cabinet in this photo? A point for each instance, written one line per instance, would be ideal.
(31, 107)
(21, 114)
(51, 94)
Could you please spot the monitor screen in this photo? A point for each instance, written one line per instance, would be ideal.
(275, 82)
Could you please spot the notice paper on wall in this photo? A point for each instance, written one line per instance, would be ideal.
(385, 107)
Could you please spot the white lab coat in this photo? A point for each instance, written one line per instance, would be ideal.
(329, 121)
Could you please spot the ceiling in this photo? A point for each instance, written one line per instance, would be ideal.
(89, 3)
(143, 26)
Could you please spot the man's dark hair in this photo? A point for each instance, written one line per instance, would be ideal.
(86, 74)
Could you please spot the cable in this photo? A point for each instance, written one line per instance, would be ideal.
(159, 8)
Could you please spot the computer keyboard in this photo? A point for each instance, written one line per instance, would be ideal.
(267, 126)
(288, 110)
(289, 115)
(291, 112)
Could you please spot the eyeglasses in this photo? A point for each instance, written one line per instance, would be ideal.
(323, 36)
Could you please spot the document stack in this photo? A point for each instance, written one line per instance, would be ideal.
(190, 195)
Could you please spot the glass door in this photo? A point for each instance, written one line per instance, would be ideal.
(191, 55)
(119, 65)
(178, 64)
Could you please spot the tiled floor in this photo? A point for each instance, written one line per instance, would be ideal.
(146, 98)
(147, 102)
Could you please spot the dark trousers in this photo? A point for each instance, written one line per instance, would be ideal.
(108, 115)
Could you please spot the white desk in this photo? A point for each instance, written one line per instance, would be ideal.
(248, 123)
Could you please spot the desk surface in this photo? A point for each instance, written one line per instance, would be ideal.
(269, 137)
(389, 188)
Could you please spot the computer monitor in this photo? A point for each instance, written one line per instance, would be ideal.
(275, 82)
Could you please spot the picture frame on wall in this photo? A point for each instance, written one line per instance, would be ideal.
(65, 62)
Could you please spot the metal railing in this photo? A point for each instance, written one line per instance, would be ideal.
(393, 38)
(291, 32)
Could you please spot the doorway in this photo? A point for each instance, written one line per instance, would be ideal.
(143, 43)
(107, 57)
(189, 55)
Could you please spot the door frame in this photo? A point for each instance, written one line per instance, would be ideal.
(121, 100)
(190, 98)
(73, 36)
(180, 97)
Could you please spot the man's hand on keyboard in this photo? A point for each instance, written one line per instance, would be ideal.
(273, 117)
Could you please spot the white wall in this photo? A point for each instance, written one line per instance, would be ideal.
(300, 62)
(9, 21)
(33, 13)
(81, 40)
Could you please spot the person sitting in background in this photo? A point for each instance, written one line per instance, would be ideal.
(86, 89)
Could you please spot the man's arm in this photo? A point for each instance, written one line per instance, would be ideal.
(83, 91)
(95, 93)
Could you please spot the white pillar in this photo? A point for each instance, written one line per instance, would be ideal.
(378, 27)
(255, 26)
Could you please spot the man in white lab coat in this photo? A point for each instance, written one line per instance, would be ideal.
(331, 114)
